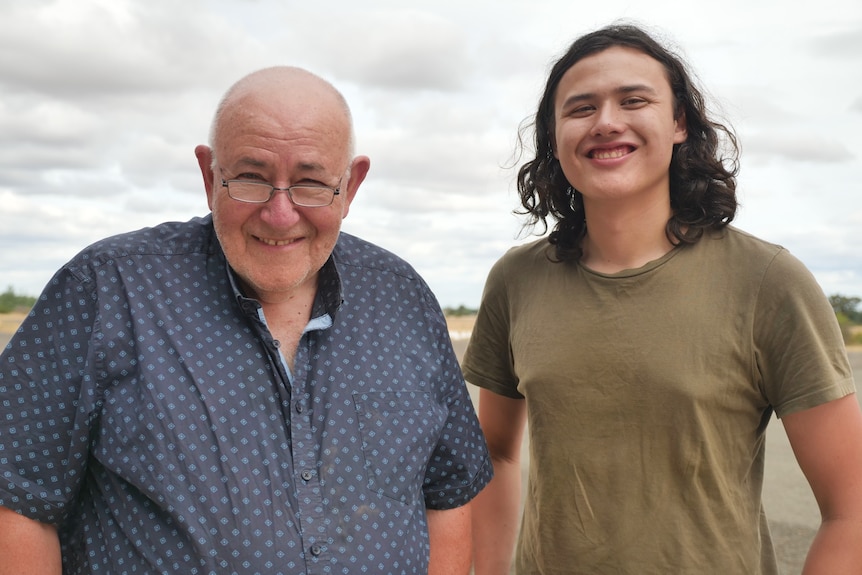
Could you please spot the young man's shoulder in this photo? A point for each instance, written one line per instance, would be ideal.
(737, 242)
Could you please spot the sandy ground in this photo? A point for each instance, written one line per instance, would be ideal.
(793, 513)
(9, 322)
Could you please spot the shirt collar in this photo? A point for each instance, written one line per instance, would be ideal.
(326, 302)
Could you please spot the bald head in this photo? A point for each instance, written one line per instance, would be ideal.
(279, 86)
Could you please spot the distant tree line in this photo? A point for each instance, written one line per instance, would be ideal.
(10, 301)
(847, 306)
(461, 310)
(849, 317)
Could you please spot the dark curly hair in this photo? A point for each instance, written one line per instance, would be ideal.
(702, 182)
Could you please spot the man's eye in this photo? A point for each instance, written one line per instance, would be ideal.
(249, 177)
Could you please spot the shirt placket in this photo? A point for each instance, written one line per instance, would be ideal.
(306, 456)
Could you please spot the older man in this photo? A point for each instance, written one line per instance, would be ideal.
(249, 392)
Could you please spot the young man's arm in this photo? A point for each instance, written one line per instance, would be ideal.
(497, 509)
(827, 441)
(449, 534)
(27, 547)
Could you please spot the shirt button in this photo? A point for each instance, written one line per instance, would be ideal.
(307, 475)
(276, 343)
(316, 550)
(299, 407)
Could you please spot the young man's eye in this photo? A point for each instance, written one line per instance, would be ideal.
(579, 111)
(630, 102)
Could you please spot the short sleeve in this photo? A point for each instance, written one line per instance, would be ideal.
(460, 465)
(47, 404)
(488, 360)
(800, 353)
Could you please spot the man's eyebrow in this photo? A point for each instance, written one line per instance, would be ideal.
(249, 161)
(302, 166)
(311, 167)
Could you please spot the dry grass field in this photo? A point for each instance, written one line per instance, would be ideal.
(9, 322)
(460, 326)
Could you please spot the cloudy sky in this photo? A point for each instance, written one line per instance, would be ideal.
(103, 101)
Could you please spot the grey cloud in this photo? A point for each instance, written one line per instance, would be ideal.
(402, 50)
(831, 251)
(797, 147)
(755, 104)
(93, 50)
(33, 157)
(844, 45)
(43, 121)
(451, 249)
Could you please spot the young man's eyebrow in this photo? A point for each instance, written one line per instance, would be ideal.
(621, 90)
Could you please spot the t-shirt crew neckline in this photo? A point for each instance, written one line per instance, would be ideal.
(628, 273)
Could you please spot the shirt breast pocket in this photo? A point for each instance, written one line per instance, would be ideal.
(399, 431)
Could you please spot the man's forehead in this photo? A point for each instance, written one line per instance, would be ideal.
(267, 161)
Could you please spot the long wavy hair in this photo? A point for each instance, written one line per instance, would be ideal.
(703, 168)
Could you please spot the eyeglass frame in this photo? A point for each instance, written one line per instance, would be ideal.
(272, 190)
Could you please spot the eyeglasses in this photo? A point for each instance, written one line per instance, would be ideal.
(303, 195)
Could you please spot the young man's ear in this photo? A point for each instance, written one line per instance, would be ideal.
(680, 134)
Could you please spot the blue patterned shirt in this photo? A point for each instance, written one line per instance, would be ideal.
(147, 411)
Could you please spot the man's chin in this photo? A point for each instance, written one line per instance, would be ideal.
(277, 289)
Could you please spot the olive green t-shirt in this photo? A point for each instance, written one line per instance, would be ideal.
(648, 395)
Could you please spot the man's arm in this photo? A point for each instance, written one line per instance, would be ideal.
(497, 509)
(449, 535)
(27, 547)
(827, 441)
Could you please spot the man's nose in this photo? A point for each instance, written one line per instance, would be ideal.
(280, 209)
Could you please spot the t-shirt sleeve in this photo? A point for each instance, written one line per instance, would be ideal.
(488, 360)
(44, 435)
(799, 350)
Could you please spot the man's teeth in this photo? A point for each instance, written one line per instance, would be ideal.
(276, 242)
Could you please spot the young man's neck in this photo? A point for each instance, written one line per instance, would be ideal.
(620, 239)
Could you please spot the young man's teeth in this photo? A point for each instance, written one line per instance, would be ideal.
(609, 154)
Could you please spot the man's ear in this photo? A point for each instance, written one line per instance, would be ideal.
(205, 157)
(358, 170)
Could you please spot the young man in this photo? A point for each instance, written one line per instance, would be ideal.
(645, 344)
(248, 392)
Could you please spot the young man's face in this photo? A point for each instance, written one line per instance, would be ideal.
(615, 126)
